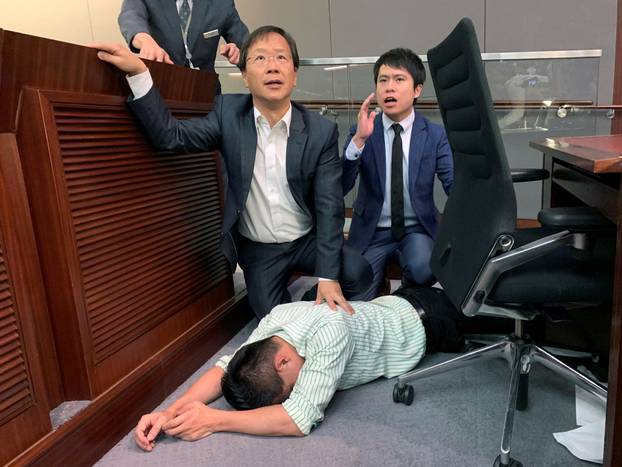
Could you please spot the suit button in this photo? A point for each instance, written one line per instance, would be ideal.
(237, 212)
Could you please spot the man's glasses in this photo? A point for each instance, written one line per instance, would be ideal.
(262, 60)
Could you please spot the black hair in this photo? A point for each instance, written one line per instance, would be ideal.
(251, 380)
(402, 58)
(259, 34)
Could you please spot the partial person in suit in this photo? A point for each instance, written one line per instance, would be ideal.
(396, 156)
(288, 370)
(184, 32)
(284, 206)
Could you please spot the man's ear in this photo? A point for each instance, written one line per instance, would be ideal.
(244, 78)
(280, 361)
(418, 90)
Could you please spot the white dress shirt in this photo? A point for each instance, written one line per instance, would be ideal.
(353, 153)
(271, 214)
(179, 2)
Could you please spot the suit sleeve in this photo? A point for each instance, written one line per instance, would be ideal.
(350, 168)
(329, 210)
(444, 162)
(234, 29)
(133, 18)
(169, 134)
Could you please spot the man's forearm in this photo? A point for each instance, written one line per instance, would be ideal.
(206, 389)
(264, 421)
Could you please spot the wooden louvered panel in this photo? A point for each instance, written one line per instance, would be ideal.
(56, 334)
(16, 393)
(146, 227)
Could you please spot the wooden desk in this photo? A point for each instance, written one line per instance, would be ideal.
(586, 170)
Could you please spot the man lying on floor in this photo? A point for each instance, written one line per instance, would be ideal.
(286, 373)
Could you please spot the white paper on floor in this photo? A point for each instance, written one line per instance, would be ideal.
(586, 442)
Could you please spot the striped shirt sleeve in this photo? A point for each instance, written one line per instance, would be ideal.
(327, 354)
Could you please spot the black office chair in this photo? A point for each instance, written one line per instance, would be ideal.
(484, 264)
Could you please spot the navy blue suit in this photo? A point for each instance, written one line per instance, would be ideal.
(429, 155)
(313, 173)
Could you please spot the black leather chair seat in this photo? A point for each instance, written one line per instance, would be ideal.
(566, 275)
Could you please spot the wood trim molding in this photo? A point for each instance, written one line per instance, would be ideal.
(112, 415)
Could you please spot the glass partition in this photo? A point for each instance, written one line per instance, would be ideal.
(536, 95)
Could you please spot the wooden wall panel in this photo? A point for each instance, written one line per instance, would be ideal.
(110, 261)
(23, 402)
(139, 232)
(47, 64)
(16, 393)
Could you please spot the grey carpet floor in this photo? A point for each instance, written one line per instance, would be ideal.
(456, 419)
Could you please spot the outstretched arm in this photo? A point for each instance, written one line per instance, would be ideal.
(196, 420)
(165, 132)
(119, 56)
(206, 389)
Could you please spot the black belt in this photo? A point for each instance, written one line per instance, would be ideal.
(425, 319)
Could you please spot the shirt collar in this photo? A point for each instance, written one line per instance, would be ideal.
(406, 123)
(286, 120)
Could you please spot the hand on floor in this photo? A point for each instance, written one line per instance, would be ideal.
(148, 428)
(193, 421)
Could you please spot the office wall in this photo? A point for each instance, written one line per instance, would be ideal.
(325, 28)
(76, 21)
(339, 28)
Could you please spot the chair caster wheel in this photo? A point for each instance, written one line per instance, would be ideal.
(404, 394)
(513, 463)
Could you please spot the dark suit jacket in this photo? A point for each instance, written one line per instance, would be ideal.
(429, 154)
(160, 19)
(313, 166)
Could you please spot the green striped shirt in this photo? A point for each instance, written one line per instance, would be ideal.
(384, 337)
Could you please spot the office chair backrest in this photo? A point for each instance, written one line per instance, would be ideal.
(482, 204)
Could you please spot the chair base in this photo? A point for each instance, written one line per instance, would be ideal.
(520, 354)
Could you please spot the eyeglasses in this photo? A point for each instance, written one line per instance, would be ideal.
(262, 60)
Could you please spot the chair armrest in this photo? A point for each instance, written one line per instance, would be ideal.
(497, 265)
(528, 175)
(576, 218)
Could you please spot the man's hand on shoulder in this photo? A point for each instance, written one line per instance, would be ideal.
(120, 57)
(193, 421)
(148, 428)
(330, 291)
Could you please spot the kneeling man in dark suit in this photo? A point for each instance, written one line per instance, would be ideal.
(396, 155)
(284, 205)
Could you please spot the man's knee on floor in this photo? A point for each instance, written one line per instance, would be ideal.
(417, 273)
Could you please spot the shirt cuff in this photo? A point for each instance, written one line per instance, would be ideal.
(140, 84)
(352, 152)
(223, 362)
(299, 416)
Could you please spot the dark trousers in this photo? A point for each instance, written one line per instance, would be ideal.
(268, 267)
(413, 253)
(444, 324)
